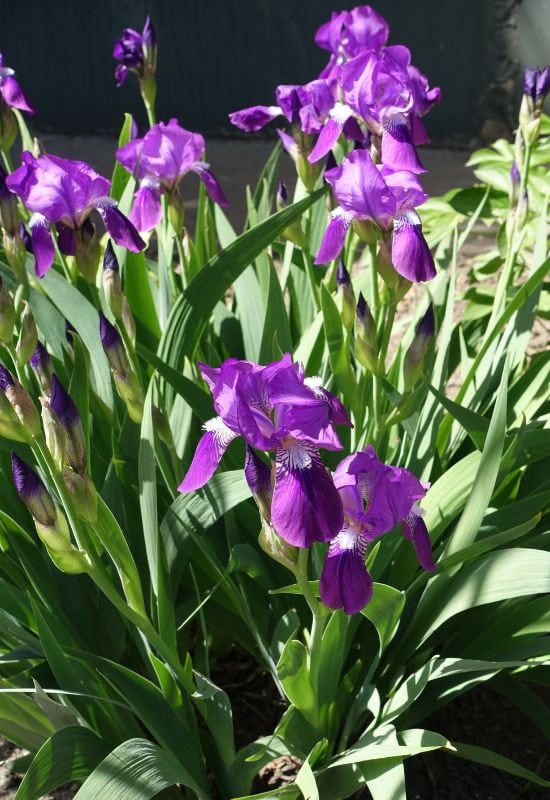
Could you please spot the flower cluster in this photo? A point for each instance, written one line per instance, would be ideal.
(137, 52)
(372, 95)
(276, 408)
(64, 193)
(159, 161)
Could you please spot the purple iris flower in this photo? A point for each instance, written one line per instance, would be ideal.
(159, 161)
(348, 33)
(64, 193)
(10, 90)
(375, 497)
(135, 51)
(304, 106)
(385, 197)
(389, 95)
(275, 407)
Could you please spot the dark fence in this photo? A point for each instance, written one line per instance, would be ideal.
(220, 55)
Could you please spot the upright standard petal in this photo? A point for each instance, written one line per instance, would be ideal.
(209, 452)
(334, 236)
(306, 506)
(345, 582)
(119, 227)
(410, 253)
(42, 244)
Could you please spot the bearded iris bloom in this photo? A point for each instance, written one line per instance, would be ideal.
(276, 408)
(64, 193)
(159, 161)
(375, 498)
(136, 51)
(367, 193)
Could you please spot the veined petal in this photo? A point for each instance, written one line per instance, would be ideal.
(254, 118)
(146, 211)
(345, 582)
(208, 454)
(119, 227)
(398, 150)
(335, 236)
(410, 253)
(13, 95)
(213, 188)
(306, 506)
(42, 244)
(414, 529)
(329, 135)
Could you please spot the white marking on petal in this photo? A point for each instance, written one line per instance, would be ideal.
(222, 434)
(295, 455)
(407, 218)
(340, 113)
(340, 213)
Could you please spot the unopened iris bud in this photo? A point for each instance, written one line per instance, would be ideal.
(54, 433)
(275, 547)
(367, 230)
(28, 336)
(16, 253)
(87, 250)
(9, 215)
(416, 354)
(536, 84)
(346, 295)
(281, 198)
(126, 381)
(41, 364)
(258, 478)
(176, 211)
(366, 345)
(32, 492)
(7, 314)
(83, 492)
(396, 283)
(21, 403)
(515, 179)
(129, 322)
(63, 406)
(111, 281)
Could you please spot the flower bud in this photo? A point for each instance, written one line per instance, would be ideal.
(126, 381)
(54, 433)
(275, 547)
(129, 322)
(9, 214)
(515, 180)
(367, 230)
(346, 296)
(87, 251)
(8, 126)
(7, 314)
(162, 427)
(16, 253)
(415, 357)
(366, 344)
(396, 283)
(176, 211)
(536, 84)
(258, 478)
(63, 406)
(41, 364)
(28, 336)
(32, 492)
(22, 404)
(294, 232)
(111, 281)
(84, 494)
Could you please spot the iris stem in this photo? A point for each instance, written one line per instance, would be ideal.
(318, 615)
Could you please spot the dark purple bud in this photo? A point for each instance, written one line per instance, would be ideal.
(110, 261)
(362, 307)
(67, 413)
(426, 326)
(258, 477)
(41, 363)
(6, 379)
(515, 174)
(282, 195)
(32, 492)
(536, 83)
(110, 337)
(366, 344)
(149, 34)
(342, 275)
